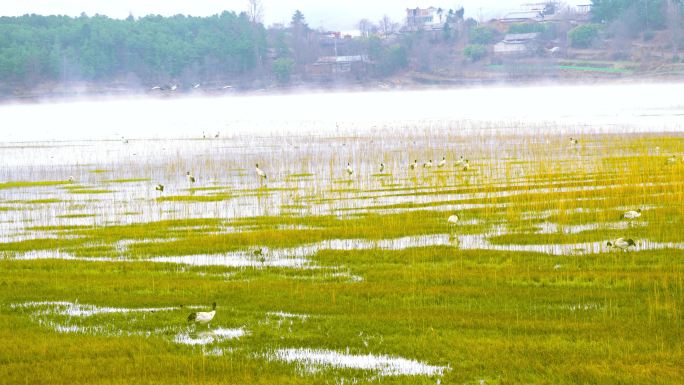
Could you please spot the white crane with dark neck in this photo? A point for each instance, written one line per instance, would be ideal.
(203, 317)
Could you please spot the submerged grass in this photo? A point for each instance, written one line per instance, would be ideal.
(11, 185)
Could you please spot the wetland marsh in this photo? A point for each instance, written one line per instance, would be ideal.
(322, 276)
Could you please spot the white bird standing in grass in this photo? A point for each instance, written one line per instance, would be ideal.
(452, 221)
(260, 172)
(203, 317)
(190, 178)
(428, 164)
(622, 244)
(442, 162)
(350, 170)
(632, 214)
(159, 187)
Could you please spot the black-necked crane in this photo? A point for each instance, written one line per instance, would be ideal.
(574, 141)
(124, 140)
(622, 244)
(382, 167)
(189, 177)
(428, 164)
(350, 170)
(203, 317)
(413, 165)
(260, 172)
(71, 179)
(466, 165)
(442, 162)
(632, 214)
(159, 187)
(452, 221)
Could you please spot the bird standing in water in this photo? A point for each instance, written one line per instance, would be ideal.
(203, 317)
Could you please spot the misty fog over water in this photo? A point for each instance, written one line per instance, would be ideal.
(605, 108)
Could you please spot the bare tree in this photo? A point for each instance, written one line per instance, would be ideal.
(387, 26)
(365, 27)
(255, 11)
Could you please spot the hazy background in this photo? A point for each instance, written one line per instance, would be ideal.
(336, 14)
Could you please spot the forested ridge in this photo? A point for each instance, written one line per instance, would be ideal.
(36, 48)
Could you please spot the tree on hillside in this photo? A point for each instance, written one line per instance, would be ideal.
(255, 11)
(302, 50)
(365, 27)
(386, 26)
(644, 14)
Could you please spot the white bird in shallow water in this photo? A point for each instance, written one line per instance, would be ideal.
(631, 214)
(260, 172)
(453, 219)
(621, 243)
(442, 162)
(190, 178)
(159, 187)
(203, 317)
(350, 170)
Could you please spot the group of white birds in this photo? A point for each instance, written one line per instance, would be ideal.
(191, 178)
(462, 163)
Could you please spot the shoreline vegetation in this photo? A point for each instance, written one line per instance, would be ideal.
(235, 53)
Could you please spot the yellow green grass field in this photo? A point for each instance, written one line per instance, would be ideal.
(322, 277)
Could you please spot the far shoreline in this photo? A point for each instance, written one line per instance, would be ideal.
(77, 94)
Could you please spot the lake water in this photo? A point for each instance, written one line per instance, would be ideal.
(572, 109)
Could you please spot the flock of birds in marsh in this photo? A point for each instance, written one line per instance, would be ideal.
(618, 244)
(461, 163)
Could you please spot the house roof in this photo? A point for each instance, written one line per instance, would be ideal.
(503, 47)
(343, 59)
(514, 16)
(521, 37)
